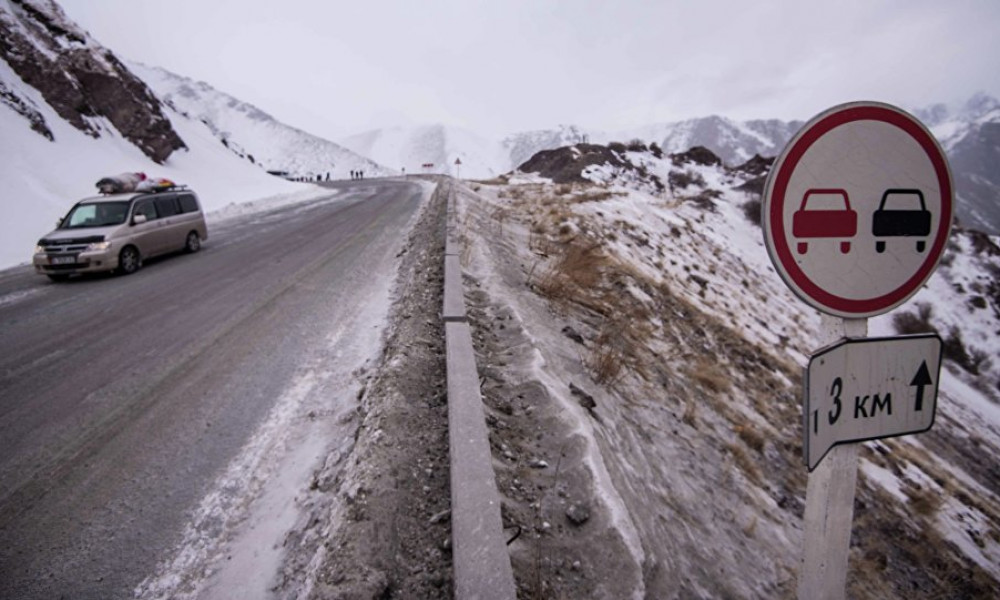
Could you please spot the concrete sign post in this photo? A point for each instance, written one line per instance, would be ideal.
(857, 212)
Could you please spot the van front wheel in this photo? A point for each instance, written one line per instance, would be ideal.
(129, 260)
(193, 243)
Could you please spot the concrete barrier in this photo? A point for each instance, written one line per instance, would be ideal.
(479, 550)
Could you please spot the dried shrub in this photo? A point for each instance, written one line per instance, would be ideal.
(684, 179)
(746, 464)
(752, 211)
(751, 437)
(656, 150)
(607, 356)
(907, 323)
(954, 349)
(617, 147)
(710, 376)
(637, 145)
(923, 500)
(579, 266)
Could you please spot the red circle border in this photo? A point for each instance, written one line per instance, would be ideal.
(821, 297)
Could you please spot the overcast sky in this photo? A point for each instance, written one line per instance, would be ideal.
(337, 68)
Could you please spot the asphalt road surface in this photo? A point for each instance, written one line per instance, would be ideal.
(123, 397)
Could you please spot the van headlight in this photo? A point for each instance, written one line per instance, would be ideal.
(98, 246)
(39, 249)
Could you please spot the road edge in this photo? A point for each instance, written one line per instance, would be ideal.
(481, 563)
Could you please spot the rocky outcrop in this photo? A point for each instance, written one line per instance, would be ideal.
(26, 109)
(698, 155)
(565, 165)
(80, 79)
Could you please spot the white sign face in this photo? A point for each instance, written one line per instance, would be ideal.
(857, 209)
(870, 388)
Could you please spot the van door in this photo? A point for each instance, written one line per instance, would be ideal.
(172, 232)
(191, 215)
(145, 235)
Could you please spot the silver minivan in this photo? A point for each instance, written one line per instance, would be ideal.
(117, 231)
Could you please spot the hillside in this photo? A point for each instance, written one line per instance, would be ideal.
(253, 134)
(642, 365)
(83, 82)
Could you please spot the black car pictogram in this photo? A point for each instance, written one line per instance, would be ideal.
(901, 222)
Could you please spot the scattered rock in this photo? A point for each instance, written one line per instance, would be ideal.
(572, 334)
(578, 513)
(586, 400)
(441, 516)
(538, 464)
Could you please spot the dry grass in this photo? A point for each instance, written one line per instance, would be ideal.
(580, 267)
(710, 376)
(751, 437)
(617, 349)
(746, 464)
(690, 416)
(924, 500)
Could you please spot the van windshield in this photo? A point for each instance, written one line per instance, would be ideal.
(98, 214)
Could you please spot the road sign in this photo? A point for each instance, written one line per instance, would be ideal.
(870, 388)
(857, 209)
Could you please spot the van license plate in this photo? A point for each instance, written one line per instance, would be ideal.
(62, 260)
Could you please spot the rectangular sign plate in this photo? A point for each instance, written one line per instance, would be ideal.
(870, 388)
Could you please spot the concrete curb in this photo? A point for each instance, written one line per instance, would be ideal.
(479, 551)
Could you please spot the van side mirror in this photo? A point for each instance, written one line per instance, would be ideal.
(138, 219)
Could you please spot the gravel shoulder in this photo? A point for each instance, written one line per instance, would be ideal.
(378, 522)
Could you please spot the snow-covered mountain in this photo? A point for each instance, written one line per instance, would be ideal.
(85, 84)
(733, 141)
(253, 134)
(520, 147)
(970, 135)
(438, 146)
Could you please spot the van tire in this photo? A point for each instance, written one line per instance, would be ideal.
(193, 243)
(129, 260)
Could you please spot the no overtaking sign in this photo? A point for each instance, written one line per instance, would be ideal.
(857, 209)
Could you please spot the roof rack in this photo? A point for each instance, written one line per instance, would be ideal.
(172, 188)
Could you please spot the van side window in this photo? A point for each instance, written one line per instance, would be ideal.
(167, 206)
(188, 203)
(145, 207)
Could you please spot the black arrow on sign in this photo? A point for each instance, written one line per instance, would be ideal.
(921, 379)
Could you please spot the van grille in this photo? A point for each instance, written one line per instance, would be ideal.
(69, 246)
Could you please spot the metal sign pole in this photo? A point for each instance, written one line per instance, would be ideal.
(826, 534)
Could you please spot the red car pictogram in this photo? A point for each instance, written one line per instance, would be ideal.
(825, 223)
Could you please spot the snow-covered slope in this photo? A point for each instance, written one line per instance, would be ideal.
(253, 134)
(649, 337)
(410, 148)
(79, 78)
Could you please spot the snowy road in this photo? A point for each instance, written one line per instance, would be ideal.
(139, 414)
